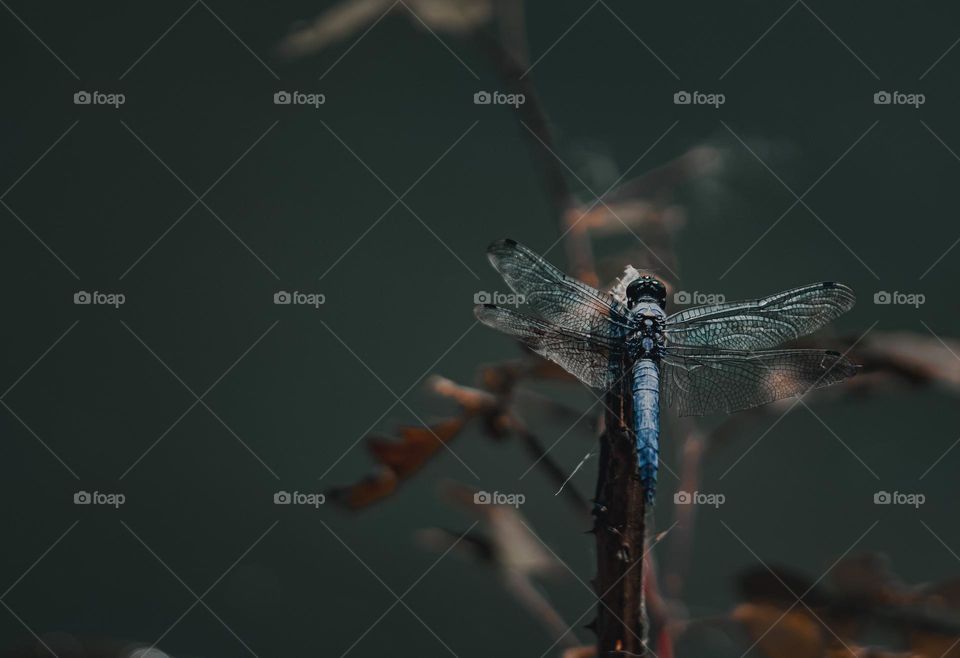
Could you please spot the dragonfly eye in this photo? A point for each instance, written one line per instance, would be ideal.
(646, 288)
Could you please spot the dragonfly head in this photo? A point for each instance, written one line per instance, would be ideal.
(646, 289)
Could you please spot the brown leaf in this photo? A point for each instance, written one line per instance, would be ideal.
(864, 593)
(868, 577)
(415, 447)
(473, 400)
(453, 16)
(505, 543)
(929, 645)
(400, 458)
(928, 356)
(342, 21)
(795, 634)
(515, 547)
(333, 25)
(367, 491)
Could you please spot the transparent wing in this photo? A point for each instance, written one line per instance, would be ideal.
(761, 323)
(704, 382)
(593, 359)
(558, 298)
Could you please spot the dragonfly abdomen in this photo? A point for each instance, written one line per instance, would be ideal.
(645, 387)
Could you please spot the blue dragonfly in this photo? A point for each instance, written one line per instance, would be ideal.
(706, 359)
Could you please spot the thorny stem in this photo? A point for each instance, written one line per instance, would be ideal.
(620, 517)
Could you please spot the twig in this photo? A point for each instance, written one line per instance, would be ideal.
(553, 471)
(694, 447)
(540, 609)
(537, 130)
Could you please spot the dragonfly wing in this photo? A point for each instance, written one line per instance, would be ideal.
(704, 382)
(558, 298)
(761, 323)
(590, 358)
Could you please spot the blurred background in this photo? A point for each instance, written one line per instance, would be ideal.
(304, 198)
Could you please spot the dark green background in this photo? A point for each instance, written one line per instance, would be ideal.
(299, 399)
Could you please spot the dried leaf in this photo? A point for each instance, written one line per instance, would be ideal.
(644, 206)
(928, 645)
(515, 547)
(473, 400)
(868, 577)
(454, 16)
(400, 458)
(927, 356)
(506, 544)
(415, 447)
(367, 491)
(864, 593)
(660, 184)
(351, 17)
(795, 634)
(333, 25)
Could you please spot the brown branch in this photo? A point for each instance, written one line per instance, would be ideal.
(694, 447)
(620, 517)
(533, 117)
(524, 591)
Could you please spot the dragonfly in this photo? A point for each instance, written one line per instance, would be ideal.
(717, 358)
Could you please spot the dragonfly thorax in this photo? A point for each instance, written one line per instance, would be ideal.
(647, 338)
